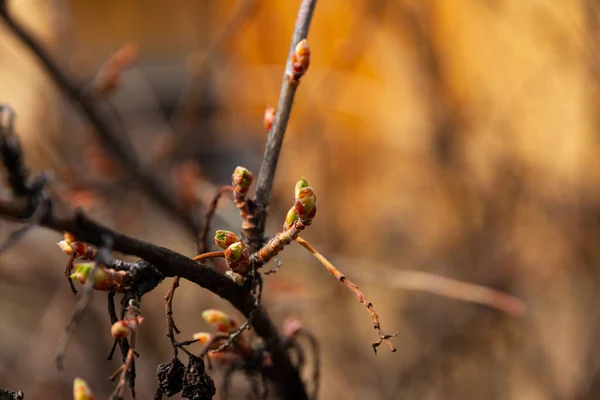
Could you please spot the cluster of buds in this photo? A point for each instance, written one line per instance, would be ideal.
(225, 325)
(70, 246)
(106, 278)
(305, 206)
(236, 255)
(300, 60)
(81, 390)
(296, 220)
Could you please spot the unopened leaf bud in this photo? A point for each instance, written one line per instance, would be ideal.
(242, 179)
(82, 272)
(224, 239)
(119, 329)
(69, 237)
(269, 117)
(65, 247)
(236, 252)
(202, 337)
(290, 218)
(301, 184)
(81, 390)
(300, 59)
(306, 200)
(221, 321)
(79, 248)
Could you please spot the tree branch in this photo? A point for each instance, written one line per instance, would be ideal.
(112, 136)
(266, 175)
(171, 263)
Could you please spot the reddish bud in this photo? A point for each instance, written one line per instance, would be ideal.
(236, 252)
(202, 337)
(269, 117)
(80, 248)
(300, 59)
(69, 237)
(119, 330)
(221, 321)
(306, 200)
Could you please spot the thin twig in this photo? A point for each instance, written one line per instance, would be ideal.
(111, 136)
(132, 320)
(316, 352)
(212, 208)
(186, 110)
(171, 327)
(450, 288)
(212, 254)
(266, 175)
(246, 325)
(383, 337)
(202, 246)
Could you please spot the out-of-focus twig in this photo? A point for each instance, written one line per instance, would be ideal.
(447, 287)
(199, 62)
(110, 135)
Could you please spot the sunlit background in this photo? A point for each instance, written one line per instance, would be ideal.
(460, 138)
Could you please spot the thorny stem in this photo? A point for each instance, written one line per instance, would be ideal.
(266, 175)
(109, 134)
(383, 337)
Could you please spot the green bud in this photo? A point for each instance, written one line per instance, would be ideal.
(224, 239)
(302, 183)
(234, 252)
(242, 178)
(82, 272)
(306, 202)
(290, 218)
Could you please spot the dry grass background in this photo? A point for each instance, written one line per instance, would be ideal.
(455, 137)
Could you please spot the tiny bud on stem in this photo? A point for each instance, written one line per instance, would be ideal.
(300, 60)
(269, 118)
(119, 330)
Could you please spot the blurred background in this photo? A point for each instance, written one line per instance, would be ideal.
(459, 138)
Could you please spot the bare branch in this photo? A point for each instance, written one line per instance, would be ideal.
(266, 175)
